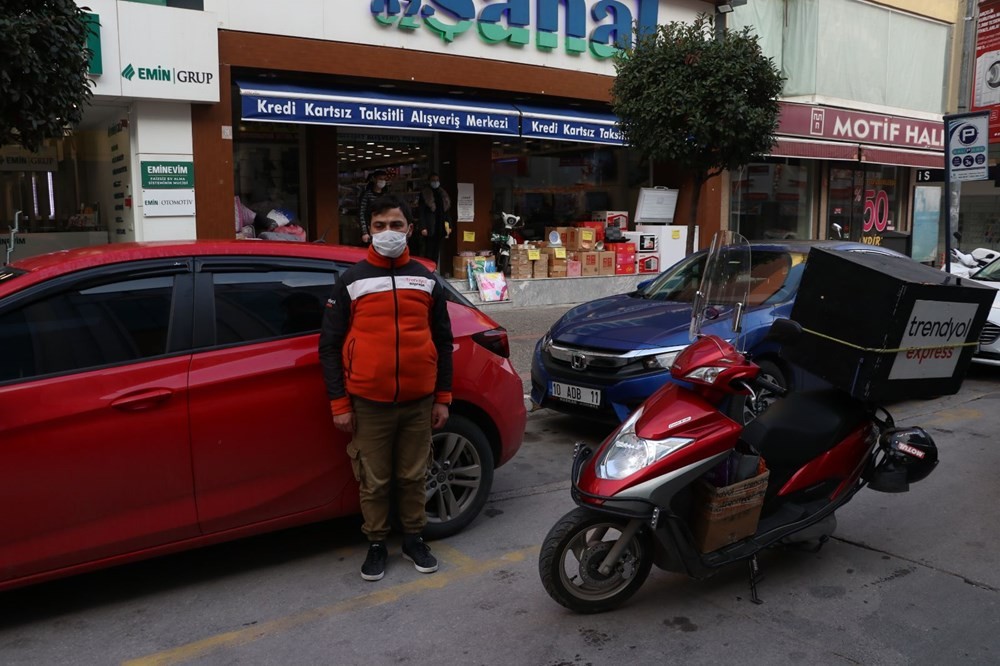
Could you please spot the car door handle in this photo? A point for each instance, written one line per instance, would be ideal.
(146, 399)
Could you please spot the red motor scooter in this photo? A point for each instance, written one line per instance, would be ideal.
(641, 494)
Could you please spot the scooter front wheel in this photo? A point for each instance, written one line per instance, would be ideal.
(571, 557)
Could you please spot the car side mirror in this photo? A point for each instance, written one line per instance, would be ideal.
(784, 331)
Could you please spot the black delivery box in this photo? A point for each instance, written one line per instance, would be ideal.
(886, 328)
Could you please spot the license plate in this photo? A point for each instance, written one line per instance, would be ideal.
(575, 394)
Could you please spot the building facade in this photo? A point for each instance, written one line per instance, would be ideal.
(867, 85)
(231, 108)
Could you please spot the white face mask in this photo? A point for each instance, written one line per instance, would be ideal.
(389, 243)
(380, 184)
(435, 184)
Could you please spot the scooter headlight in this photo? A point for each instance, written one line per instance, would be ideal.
(629, 453)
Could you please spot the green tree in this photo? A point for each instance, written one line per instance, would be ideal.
(43, 69)
(704, 102)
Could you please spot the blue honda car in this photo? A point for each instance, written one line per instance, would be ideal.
(603, 358)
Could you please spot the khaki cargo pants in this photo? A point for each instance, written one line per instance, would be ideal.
(392, 441)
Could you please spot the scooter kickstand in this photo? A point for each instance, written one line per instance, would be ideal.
(755, 577)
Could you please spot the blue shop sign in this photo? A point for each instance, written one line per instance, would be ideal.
(569, 125)
(296, 104)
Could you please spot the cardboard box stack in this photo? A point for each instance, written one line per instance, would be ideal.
(624, 257)
(581, 239)
(607, 263)
(597, 226)
(562, 232)
(520, 263)
(556, 259)
(589, 263)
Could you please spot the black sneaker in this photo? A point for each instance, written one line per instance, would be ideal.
(374, 566)
(418, 552)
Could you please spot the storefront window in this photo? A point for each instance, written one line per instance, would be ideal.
(405, 158)
(864, 203)
(557, 183)
(774, 199)
(268, 172)
(64, 191)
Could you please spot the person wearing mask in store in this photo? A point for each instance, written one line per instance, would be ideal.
(385, 347)
(433, 217)
(377, 185)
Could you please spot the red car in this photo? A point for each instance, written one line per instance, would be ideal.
(158, 397)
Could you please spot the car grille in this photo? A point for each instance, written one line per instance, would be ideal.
(593, 365)
(989, 334)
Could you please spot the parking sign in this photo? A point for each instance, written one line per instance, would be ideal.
(967, 146)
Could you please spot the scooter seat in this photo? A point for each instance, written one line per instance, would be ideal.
(801, 426)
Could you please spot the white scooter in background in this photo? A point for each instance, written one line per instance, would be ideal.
(964, 265)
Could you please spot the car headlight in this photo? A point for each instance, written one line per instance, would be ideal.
(630, 453)
(660, 361)
(546, 342)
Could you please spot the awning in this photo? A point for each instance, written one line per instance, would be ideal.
(325, 106)
(902, 157)
(569, 125)
(815, 149)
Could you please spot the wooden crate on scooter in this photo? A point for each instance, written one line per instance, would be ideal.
(727, 514)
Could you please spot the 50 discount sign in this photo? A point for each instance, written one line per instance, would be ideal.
(876, 211)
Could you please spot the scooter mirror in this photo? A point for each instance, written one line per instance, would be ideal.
(785, 331)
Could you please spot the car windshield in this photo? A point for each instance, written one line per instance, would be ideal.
(774, 276)
(989, 273)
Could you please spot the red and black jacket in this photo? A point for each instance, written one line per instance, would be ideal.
(386, 334)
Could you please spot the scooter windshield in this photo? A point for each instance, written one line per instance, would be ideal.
(725, 287)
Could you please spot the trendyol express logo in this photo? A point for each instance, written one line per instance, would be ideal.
(167, 75)
(510, 21)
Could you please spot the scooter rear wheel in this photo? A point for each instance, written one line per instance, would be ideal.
(572, 554)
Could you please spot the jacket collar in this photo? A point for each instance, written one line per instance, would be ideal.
(377, 259)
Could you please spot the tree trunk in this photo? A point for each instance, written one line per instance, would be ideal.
(699, 180)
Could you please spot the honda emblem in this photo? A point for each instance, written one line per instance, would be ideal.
(578, 361)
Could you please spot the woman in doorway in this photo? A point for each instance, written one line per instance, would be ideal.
(377, 186)
(433, 217)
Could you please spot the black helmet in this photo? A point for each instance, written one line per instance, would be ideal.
(910, 456)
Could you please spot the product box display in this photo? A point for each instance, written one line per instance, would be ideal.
(625, 260)
(621, 248)
(598, 228)
(557, 235)
(581, 238)
(606, 263)
(612, 218)
(589, 262)
(647, 263)
(492, 287)
(540, 268)
(573, 268)
(727, 514)
(886, 328)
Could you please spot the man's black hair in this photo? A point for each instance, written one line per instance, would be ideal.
(386, 202)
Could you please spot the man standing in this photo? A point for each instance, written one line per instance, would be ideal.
(433, 210)
(386, 347)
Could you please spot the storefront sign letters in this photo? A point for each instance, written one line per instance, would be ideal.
(368, 114)
(511, 21)
(571, 131)
(15, 158)
(168, 203)
(167, 175)
(873, 128)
